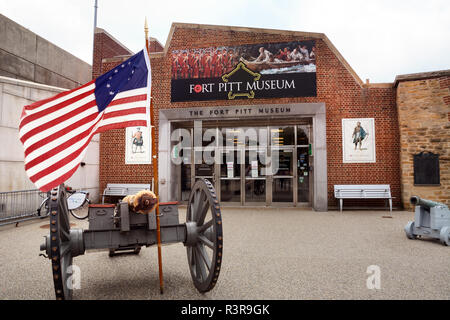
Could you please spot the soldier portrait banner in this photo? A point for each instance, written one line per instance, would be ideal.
(358, 140)
(138, 145)
(270, 70)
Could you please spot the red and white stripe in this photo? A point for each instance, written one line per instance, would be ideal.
(56, 132)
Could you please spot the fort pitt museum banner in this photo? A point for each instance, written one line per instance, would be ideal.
(270, 70)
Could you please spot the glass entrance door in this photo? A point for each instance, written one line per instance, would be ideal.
(255, 178)
(186, 176)
(304, 158)
(242, 165)
(283, 179)
(230, 176)
(202, 168)
(303, 171)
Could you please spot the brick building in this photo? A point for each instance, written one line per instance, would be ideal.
(306, 113)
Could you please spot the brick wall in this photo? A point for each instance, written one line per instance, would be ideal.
(424, 119)
(337, 87)
(155, 46)
(105, 46)
(112, 151)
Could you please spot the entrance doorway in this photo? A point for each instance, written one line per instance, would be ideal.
(283, 179)
(240, 170)
(230, 176)
(255, 184)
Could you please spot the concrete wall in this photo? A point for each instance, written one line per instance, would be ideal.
(26, 56)
(423, 102)
(14, 95)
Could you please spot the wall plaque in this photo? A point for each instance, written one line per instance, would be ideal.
(426, 169)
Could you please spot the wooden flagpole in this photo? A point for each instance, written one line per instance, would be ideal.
(155, 174)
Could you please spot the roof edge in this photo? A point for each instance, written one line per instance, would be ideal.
(421, 76)
(101, 30)
(342, 60)
(380, 85)
(157, 41)
(31, 84)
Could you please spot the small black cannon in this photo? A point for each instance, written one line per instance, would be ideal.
(115, 228)
(432, 219)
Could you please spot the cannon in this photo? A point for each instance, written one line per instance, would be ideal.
(431, 219)
(115, 228)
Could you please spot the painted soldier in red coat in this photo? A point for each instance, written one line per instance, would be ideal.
(218, 67)
(207, 66)
(203, 64)
(174, 66)
(225, 61)
(184, 66)
(191, 59)
(214, 61)
(196, 66)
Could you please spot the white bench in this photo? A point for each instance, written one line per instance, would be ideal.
(123, 189)
(363, 191)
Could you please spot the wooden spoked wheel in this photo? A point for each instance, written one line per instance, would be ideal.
(204, 235)
(60, 245)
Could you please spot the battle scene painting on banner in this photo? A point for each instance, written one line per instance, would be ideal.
(358, 140)
(267, 70)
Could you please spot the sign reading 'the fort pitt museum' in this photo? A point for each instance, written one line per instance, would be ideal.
(271, 70)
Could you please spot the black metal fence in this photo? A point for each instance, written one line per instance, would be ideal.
(17, 206)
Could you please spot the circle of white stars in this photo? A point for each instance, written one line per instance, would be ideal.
(108, 85)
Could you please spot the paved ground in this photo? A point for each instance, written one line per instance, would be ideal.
(268, 254)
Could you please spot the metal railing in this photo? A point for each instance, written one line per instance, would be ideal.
(17, 206)
(23, 205)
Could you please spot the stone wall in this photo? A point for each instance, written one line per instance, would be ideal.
(14, 95)
(27, 56)
(423, 103)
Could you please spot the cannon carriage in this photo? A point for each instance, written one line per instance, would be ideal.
(431, 219)
(115, 228)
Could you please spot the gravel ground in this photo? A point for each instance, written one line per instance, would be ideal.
(268, 254)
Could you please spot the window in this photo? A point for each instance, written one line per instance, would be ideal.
(282, 136)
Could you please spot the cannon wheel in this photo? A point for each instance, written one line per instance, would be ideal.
(445, 236)
(409, 230)
(60, 246)
(204, 235)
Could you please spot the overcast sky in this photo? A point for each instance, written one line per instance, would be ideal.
(379, 38)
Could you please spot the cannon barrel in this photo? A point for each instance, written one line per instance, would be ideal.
(415, 200)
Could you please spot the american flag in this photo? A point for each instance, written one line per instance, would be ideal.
(56, 132)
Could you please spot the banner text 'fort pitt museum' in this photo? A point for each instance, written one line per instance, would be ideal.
(271, 70)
